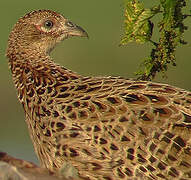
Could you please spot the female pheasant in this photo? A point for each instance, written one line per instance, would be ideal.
(108, 128)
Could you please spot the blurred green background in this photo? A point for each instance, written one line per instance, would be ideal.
(100, 55)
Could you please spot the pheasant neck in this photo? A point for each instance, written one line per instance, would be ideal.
(32, 70)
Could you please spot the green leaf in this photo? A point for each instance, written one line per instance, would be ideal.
(138, 26)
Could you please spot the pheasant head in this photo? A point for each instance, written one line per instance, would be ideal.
(41, 30)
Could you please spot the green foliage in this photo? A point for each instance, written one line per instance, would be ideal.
(138, 27)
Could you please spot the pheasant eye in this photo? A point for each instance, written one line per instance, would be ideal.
(48, 24)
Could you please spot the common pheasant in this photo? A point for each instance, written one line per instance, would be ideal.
(108, 128)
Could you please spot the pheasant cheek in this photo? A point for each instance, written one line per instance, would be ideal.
(38, 27)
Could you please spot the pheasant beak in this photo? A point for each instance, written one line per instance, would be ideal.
(75, 30)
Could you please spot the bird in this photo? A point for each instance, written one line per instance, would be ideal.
(106, 128)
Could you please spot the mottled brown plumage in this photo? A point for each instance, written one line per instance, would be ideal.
(108, 128)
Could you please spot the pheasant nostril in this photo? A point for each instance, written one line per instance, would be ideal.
(70, 24)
